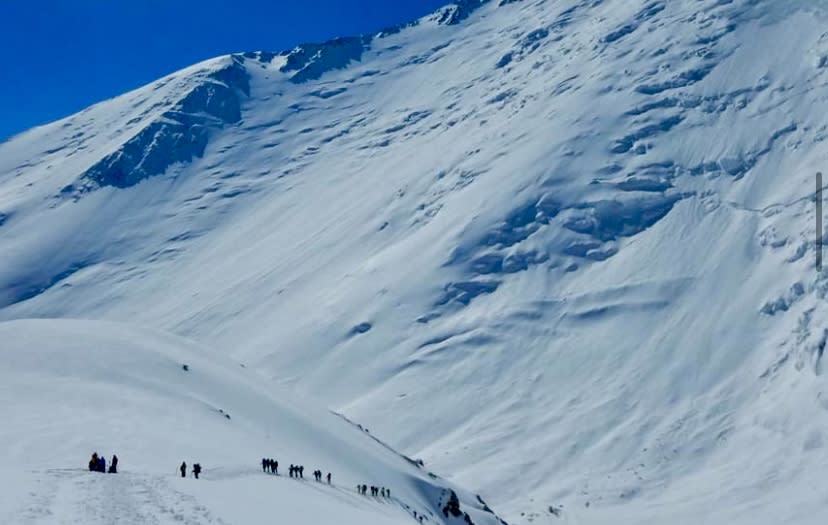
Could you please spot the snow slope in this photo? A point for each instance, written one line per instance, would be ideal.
(80, 386)
(562, 251)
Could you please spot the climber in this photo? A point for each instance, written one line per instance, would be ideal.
(113, 465)
(183, 469)
(196, 470)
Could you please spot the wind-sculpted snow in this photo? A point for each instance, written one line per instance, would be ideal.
(562, 251)
(178, 136)
(458, 11)
(311, 61)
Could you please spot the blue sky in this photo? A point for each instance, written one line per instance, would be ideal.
(60, 56)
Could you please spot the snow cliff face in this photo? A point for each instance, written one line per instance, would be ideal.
(562, 251)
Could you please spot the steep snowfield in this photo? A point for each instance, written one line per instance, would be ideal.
(73, 387)
(562, 251)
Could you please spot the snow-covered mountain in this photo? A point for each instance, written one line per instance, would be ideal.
(561, 251)
(77, 386)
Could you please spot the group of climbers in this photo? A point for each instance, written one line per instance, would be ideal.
(183, 469)
(97, 463)
(270, 465)
(375, 491)
(298, 471)
(318, 475)
(294, 471)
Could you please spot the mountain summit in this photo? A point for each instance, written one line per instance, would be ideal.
(560, 251)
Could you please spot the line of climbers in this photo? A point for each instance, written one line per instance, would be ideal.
(271, 466)
(98, 464)
(375, 491)
(295, 471)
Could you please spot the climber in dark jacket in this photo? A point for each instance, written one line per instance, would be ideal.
(113, 466)
(196, 470)
(329, 478)
(183, 469)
